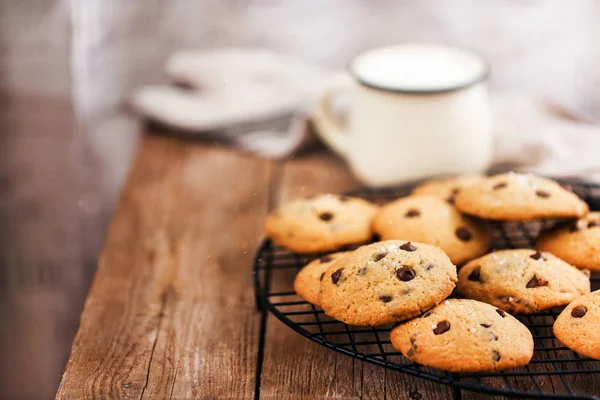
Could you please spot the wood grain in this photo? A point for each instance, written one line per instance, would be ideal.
(170, 312)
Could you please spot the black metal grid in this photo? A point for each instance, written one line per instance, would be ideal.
(552, 373)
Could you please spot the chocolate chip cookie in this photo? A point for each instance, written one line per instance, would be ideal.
(577, 326)
(386, 282)
(447, 188)
(321, 223)
(464, 336)
(522, 281)
(519, 197)
(431, 220)
(308, 281)
(577, 242)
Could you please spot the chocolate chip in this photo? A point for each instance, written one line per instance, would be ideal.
(542, 194)
(405, 274)
(593, 224)
(350, 247)
(455, 190)
(429, 266)
(362, 271)
(450, 199)
(379, 256)
(326, 258)
(475, 275)
(408, 246)
(463, 234)
(495, 355)
(427, 314)
(326, 216)
(411, 351)
(536, 282)
(578, 312)
(485, 325)
(412, 213)
(322, 275)
(574, 228)
(413, 338)
(538, 256)
(441, 327)
(385, 298)
(500, 185)
(500, 312)
(335, 277)
(491, 336)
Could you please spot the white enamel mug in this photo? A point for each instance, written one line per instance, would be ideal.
(417, 110)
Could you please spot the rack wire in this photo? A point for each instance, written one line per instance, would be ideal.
(554, 372)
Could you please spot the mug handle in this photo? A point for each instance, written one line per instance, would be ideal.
(328, 125)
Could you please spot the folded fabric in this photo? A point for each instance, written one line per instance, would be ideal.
(544, 138)
(261, 101)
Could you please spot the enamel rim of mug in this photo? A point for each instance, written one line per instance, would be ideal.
(483, 76)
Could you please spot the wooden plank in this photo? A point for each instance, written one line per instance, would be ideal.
(294, 367)
(217, 226)
(170, 312)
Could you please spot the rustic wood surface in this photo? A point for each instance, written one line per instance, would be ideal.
(171, 312)
(171, 309)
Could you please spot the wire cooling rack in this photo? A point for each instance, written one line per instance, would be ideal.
(554, 372)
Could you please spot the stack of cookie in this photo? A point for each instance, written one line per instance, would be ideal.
(407, 277)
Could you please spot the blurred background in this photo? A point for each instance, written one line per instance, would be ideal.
(67, 68)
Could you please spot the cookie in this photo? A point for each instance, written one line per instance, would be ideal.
(447, 188)
(386, 282)
(519, 197)
(308, 281)
(522, 281)
(577, 243)
(465, 336)
(434, 221)
(321, 223)
(577, 326)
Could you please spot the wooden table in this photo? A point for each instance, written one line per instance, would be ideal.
(171, 311)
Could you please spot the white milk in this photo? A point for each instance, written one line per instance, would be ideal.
(418, 67)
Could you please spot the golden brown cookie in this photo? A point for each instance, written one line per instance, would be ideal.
(519, 197)
(578, 325)
(321, 223)
(386, 282)
(447, 188)
(465, 336)
(522, 281)
(308, 281)
(434, 221)
(577, 243)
